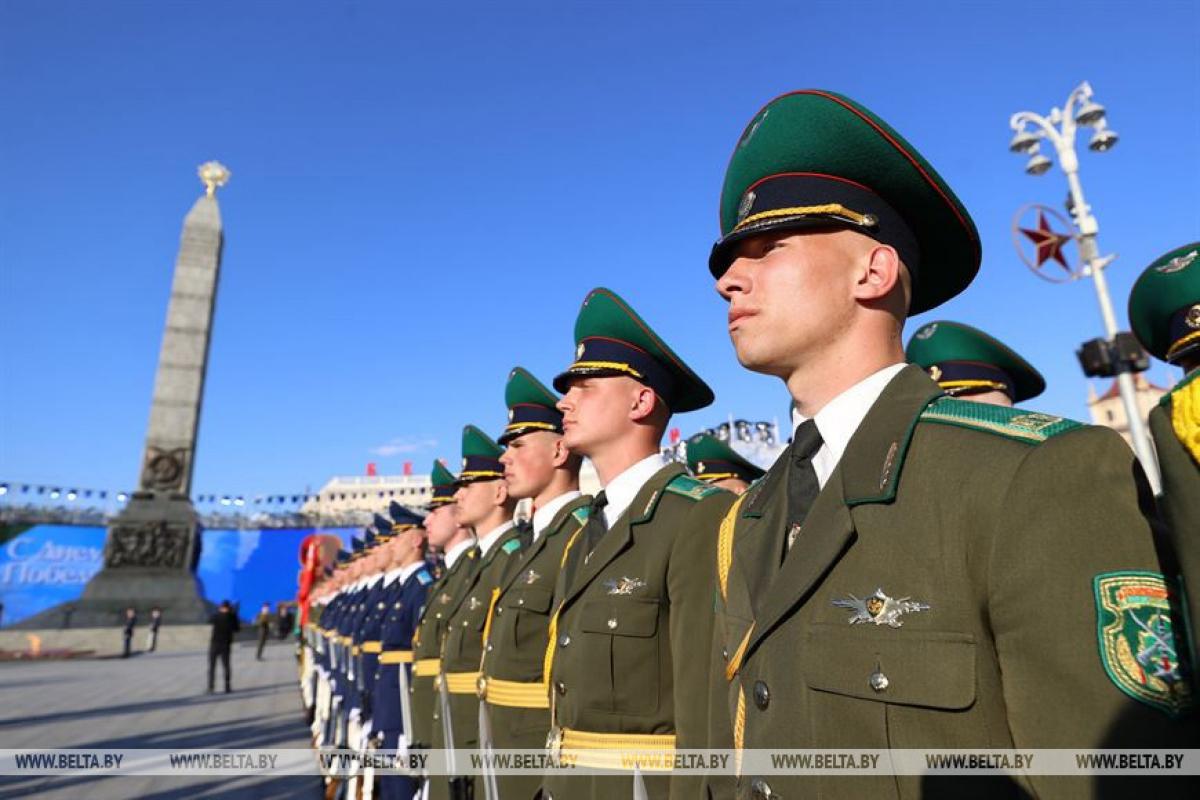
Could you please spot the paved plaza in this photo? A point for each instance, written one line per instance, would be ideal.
(154, 700)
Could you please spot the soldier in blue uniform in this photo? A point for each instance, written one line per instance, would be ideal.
(410, 579)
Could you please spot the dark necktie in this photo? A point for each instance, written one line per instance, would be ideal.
(595, 528)
(525, 533)
(803, 486)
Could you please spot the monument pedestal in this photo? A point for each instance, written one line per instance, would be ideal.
(150, 559)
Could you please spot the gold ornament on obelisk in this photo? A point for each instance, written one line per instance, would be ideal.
(214, 174)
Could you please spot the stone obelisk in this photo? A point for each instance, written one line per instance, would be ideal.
(153, 545)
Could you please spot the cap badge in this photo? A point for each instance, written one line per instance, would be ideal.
(579, 351)
(927, 331)
(464, 464)
(624, 585)
(746, 205)
(510, 415)
(935, 372)
(1192, 317)
(699, 466)
(880, 609)
(1178, 263)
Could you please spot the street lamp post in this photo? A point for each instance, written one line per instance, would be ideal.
(1060, 128)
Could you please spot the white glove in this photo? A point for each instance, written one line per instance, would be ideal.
(402, 748)
(365, 736)
(355, 714)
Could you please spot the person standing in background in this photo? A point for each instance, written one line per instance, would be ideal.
(152, 634)
(130, 624)
(263, 621)
(224, 625)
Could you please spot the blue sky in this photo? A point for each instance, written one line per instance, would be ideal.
(421, 197)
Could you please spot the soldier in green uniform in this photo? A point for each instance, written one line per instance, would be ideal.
(967, 363)
(459, 558)
(715, 462)
(537, 466)
(916, 571)
(634, 598)
(1164, 309)
(484, 506)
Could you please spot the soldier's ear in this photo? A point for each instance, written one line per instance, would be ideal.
(561, 453)
(501, 489)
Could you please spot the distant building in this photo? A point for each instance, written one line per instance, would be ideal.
(1108, 410)
(368, 493)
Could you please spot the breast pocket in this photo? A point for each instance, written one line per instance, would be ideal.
(873, 687)
(622, 634)
(531, 604)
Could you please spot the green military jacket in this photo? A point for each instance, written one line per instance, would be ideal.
(970, 576)
(1180, 501)
(427, 641)
(462, 646)
(631, 625)
(516, 647)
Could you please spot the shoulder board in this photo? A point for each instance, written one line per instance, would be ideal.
(581, 515)
(687, 486)
(423, 577)
(511, 546)
(1012, 423)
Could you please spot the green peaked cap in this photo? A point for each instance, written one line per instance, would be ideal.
(531, 406)
(611, 339)
(444, 485)
(814, 159)
(481, 457)
(712, 460)
(964, 360)
(1164, 306)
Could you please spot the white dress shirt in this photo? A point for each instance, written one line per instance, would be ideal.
(456, 551)
(621, 490)
(488, 540)
(543, 516)
(390, 576)
(840, 417)
(406, 572)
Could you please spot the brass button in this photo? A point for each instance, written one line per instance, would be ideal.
(521, 601)
(878, 681)
(612, 624)
(724, 654)
(499, 609)
(762, 695)
(564, 640)
(489, 647)
(560, 687)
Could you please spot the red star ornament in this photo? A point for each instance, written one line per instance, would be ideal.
(1048, 243)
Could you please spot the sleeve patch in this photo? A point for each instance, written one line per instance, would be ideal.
(1139, 647)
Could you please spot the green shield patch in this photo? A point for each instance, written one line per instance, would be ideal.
(1137, 640)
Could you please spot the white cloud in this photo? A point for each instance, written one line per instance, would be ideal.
(404, 444)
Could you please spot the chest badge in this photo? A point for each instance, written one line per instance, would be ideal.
(624, 585)
(531, 577)
(474, 603)
(880, 609)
